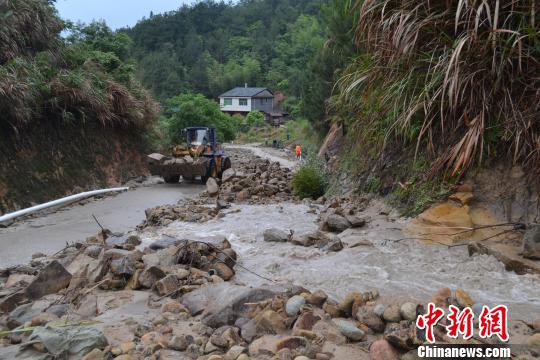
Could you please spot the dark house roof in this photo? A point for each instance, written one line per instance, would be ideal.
(244, 92)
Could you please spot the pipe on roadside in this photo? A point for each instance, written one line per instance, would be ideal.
(62, 201)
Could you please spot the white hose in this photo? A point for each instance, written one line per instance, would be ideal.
(62, 201)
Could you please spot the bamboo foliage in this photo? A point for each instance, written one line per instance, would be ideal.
(450, 73)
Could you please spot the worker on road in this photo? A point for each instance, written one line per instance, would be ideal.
(298, 151)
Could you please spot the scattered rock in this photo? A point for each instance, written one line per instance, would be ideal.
(392, 314)
(356, 221)
(408, 311)
(316, 298)
(441, 297)
(463, 298)
(379, 309)
(53, 278)
(294, 305)
(150, 276)
(167, 285)
(228, 175)
(402, 335)
(336, 223)
(329, 331)
(382, 350)
(370, 319)
(345, 305)
(224, 303)
(18, 280)
(95, 354)
(271, 344)
(275, 235)
(223, 271)
(534, 341)
(270, 322)
(212, 187)
(349, 329)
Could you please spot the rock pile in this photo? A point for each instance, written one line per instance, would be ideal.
(341, 213)
(322, 240)
(63, 286)
(255, 180)
(190, 211)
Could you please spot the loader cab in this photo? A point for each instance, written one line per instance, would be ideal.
(199, 136)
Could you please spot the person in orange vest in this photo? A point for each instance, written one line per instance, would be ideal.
(298, 151)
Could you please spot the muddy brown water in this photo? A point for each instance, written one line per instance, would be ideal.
(402, 270)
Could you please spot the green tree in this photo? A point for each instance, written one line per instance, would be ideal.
(255, 119)
(187, 110)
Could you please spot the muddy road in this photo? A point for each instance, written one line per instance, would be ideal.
(49, 232)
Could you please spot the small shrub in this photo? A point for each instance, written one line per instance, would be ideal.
(310, 181)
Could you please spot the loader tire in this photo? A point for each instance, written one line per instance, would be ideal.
(211, 165)
(172, 179)
(225, 164)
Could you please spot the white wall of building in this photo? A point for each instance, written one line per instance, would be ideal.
(235, 105)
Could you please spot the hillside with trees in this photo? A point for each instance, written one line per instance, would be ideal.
(211, 47)
(73, 114)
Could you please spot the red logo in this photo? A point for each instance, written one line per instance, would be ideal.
(460, 322)
(494, 322)
(428, 321)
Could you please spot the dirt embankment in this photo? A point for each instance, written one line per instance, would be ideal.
(46, 162)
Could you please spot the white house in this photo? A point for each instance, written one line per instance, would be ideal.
(242, 100)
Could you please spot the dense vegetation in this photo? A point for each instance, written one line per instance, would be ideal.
(87, 77)
(188, 109)
(311, 179)
(211, 47)
(457, 80)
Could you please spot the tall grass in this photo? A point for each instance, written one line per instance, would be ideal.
(44, 78)
(459, 78)
(27, 27)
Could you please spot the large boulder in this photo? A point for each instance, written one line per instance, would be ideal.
(336, 223)
(275, 235)
(53, 278)
(212, 187)
(228, 175)
(223, 303)
(531, 242)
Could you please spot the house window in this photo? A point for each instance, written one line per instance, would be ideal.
(243, 102)
(227, 102)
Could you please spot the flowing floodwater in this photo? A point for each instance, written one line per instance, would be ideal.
(400, 270)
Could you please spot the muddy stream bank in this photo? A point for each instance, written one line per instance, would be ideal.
(403, 270)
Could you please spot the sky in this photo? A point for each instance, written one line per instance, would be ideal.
(117, 13)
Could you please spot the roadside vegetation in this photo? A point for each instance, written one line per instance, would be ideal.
(87, 77)
(457, 80)
(452, 85)
(311, 179)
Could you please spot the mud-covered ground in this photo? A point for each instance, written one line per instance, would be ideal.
(281, 279)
